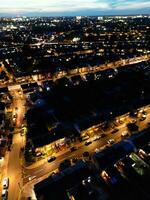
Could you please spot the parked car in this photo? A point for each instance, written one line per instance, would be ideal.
(111, 141)
(97, 137)
(4, 194)
(73, 149)
(5, 183)
(38, 154)
(115, 130)
(97, 150)
(1, 158)
(51, 159)
(14, 115)
(85, 138)
(142, 118)
(31, 178)
(133, 120)
(88, 143)
(124, 134)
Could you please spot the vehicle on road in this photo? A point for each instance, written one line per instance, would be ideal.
(14, 115)
(1, 158)
(142, 118)
(31, 178)
(97, 137)
(124, 134)
(20, 92)
(38, 154)
(143, 112)
(85, 138)
(97, 150)
(22, 132)
(51, 159)
(111, 141)
(23, 125)
(4, 194)
(133, 120)
(114, 131)
(5, 183)
(73, 149)
(87, 143)
(14, 120)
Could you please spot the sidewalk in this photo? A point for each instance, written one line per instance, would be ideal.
(79, 144)
(40, 162)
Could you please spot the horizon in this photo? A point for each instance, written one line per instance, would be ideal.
(55, 8)
(72, 16)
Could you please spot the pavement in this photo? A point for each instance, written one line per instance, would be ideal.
(3, 166)
(41, 168)
(14, 169)
(61, 153)
(81, 71)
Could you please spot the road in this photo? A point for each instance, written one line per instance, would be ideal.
(45, 169)
(14, 169)
(74, 72)
(41, 172)
(49, 167)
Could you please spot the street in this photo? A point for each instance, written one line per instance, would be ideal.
(36, 174)
(77, 71)
(14, 170)
(20, 185)
(22, 181)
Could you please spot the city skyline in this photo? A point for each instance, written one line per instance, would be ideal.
(73, 8)
(74, 101)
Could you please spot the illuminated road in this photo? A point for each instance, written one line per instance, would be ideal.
(48, 167)
(40, 172)
(14, 169)
(78, 71)
(14, 163)
(45, 169)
